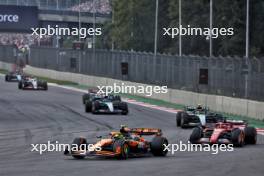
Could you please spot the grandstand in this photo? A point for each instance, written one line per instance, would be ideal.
(101, 6)
(57, 12)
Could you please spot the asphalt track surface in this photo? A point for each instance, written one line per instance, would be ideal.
(30, 117)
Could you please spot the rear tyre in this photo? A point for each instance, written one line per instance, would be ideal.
(157, 146)
(6, 78)
(20, 86)
(45, 85)
(121, 147)
(85, 98)
(81, 143)
(196, 135)
(250, 135)
(237, 137)
(178, 119)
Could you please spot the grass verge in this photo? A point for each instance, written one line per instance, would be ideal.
(2, 71)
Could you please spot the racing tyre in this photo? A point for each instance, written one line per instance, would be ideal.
(20, 86)
(88, 106)
(6, 78)
(178, 119)
(196, 135)
(250, 135)
(85, 97)
(95, 107)
(120, 146)
(237, 137)
(184, 120)
(157, 146)
(45, 85)
(124, 108)
(81, 143)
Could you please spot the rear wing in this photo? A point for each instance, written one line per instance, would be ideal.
(237, 122)
(144, 131)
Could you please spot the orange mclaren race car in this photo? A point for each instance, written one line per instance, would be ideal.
(233, 132)
(128, 142)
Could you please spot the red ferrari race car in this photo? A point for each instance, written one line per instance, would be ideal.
(128, 142)
(233, 132)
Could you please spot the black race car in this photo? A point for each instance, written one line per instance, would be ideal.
(197, 116)
(97, 103)
(31, 83)
(13, 76)
(91, 92)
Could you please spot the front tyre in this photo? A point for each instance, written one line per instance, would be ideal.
(95, 107)
(124, 108)
(196, 135)
(88, 106)
(178, 119)
(121, 148)
(238, 137)
(85, 98)
(80, 143)
(184, 120)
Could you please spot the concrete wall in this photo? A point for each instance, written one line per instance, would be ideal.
(238, 106)
(5, 66)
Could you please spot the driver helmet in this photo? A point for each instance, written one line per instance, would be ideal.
(118, 136)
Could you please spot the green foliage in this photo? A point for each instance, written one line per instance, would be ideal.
(132, 27)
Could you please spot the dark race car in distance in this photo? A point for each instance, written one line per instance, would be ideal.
(233, 132)
(13, 76)
(197, 116)
(105, 104)
(128, 142)
(32, 83)
(91, 92)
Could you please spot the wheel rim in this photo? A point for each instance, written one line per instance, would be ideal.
(241, 139)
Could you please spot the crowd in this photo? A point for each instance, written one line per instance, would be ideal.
(26, 40)
(23, 40)
(99, 6)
